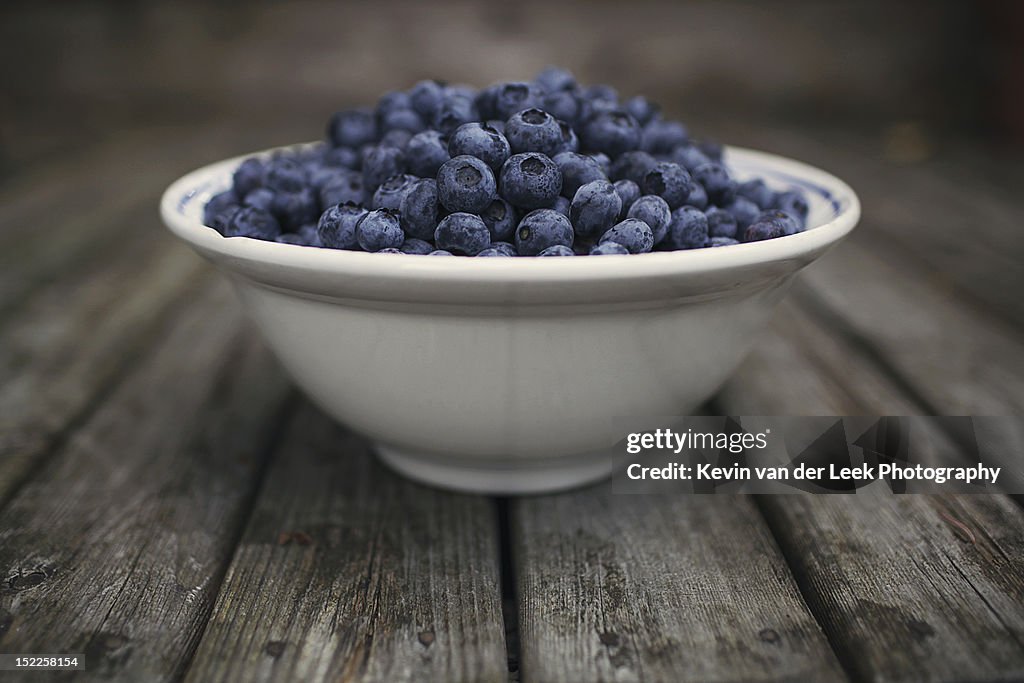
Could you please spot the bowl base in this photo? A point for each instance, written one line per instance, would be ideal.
(510, 476)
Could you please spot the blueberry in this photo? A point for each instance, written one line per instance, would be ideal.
(557, 250)
(466, 92)
(669, 181)
(595, 208)
(633, 234)
(721, 223)
(500, 218)
(352, 128)
(604, 162)
(654, 211)
(552, 79)
(591, 108)
(380, 163)
(455, 111)
(416, 246)
(757, 192)
(712, 150)
(744, 211)
(569, 141)
(600, 92)
(632, 166)
(284, 175)
(794, 204)
(293, 209)
(392, 191)
(343, 189)
(396, 137)
(628, 192)
(721, 188)
(248, 176)
(419, 209)
(790, 225)
(564, 105)
(530, 181)
(608, 249)
(541, 229)
(485, 102)
(689, 229)
(402, 119)
(425, 98)
(510, 98)
(261, 198)
(577, 170)
(562, 205)
(392, 101)
(379, 229)
(661, 137)
(342, 157)
(641, 109)
(425, 153)
(698, 197)
(249, 221)
(317, 177)
(533, 130)
(720, 242)
(490, 251)
(466, 183)
(337, 226)
(612, 132)
(219, 205)
(440, 252)
(462, 233)
(507, 248)
(310, 235)
(764, 230)
(481, 141)
(689, 157)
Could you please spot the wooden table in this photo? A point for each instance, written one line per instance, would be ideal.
(172, 508)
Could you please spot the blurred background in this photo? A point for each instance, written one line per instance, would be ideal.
(913, 80)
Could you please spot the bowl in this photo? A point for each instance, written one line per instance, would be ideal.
(511, 375)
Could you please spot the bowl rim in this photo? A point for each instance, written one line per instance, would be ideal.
(803, 246)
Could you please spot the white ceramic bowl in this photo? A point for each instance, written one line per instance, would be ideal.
(506, 375)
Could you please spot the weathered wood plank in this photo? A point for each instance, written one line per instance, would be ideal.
(658, 588)
(347, 572)
(903, 591)
(115, 548)
(960, 361)
(76, 212)
(71, 340)
(954, 221)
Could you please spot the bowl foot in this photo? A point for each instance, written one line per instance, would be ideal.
(510, 476)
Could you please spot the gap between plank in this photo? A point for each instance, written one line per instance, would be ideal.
(509, 597)
(803, 585)
(285, 413)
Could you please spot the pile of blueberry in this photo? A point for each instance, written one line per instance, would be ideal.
(540, 168)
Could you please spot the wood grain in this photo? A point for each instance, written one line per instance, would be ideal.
(953, 220)
(658, 588)
(117, 546)
(347, 572)
(71, 341)
(958, 360)
(903, 592)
